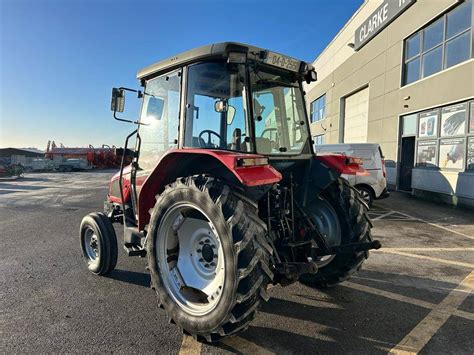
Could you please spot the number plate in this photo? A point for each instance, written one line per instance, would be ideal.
(282, 61)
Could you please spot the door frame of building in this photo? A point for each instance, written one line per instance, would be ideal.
(399, 150)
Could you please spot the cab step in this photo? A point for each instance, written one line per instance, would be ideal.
(134, 250)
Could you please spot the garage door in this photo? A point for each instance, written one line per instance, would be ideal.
(356, 117)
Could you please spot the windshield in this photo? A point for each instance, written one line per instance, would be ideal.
(279, 116)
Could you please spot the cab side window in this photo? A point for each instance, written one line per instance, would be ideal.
(159, 118)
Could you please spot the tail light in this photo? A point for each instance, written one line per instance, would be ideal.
(245, 162)
(384, 171)
(354, 160)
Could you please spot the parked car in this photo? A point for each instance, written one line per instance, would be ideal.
(372, 186)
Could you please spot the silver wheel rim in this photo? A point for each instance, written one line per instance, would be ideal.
(190, 259)
(91, 246)
(365, 196)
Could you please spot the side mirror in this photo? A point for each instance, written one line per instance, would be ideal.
(221, 106)
(311, 76)
(155, 108)
(118, 100)
(230, 114)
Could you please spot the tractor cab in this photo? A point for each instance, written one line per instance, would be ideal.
(225, 96)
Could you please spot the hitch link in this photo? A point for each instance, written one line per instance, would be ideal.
(350, 248)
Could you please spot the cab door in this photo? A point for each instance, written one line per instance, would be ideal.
(159, 121)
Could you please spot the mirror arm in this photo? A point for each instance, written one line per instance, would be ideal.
(123, 120)
(139, 93)
(128, 121)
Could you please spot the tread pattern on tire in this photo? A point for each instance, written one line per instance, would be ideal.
(355, 227)
(251, 250)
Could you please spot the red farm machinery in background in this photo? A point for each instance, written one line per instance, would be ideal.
(100, 158)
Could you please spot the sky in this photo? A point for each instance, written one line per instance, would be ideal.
(60, 58)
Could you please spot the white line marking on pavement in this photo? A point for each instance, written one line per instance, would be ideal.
(189, 346)
(444, 261)
(391, 295)
(436, 225)
(427, 328)
(383, 215)
(243, 346)
(464, 314)
(405, 299)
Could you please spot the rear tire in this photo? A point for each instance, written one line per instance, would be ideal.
(98, 243)
(244, 254)
(355, 227)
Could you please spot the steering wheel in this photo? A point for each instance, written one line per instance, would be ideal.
(268, 130)
(273, 142)
(209, 134)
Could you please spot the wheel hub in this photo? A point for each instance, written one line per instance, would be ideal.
(365, 195)
(208, 253)
(91, 243)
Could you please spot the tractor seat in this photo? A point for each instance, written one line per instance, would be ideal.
(236, 136)
(199, 143)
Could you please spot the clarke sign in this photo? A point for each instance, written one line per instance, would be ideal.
(380, 18)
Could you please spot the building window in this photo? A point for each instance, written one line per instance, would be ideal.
(319, 139)
(440, 45)
(409, 125)
(318, 109)
(444, 140)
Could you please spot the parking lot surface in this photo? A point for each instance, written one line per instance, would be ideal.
(413, 295)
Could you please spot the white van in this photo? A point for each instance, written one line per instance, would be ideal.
(373, 186)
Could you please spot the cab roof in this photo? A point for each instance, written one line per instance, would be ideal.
(216, 50)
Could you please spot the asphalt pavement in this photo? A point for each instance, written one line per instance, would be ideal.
(414, 294)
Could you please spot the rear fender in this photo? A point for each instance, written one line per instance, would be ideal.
(324, 170)
(186, 162)
(343, 164)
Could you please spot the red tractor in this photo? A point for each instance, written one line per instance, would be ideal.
(224, 194)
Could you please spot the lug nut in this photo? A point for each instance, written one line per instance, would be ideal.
(201, 243)
(201, 260)
(199, 250)
(207, 240)
(207, 265)
(213, 264)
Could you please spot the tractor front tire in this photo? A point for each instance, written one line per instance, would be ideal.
(98, 243)
(200, 224)
(355, 227)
